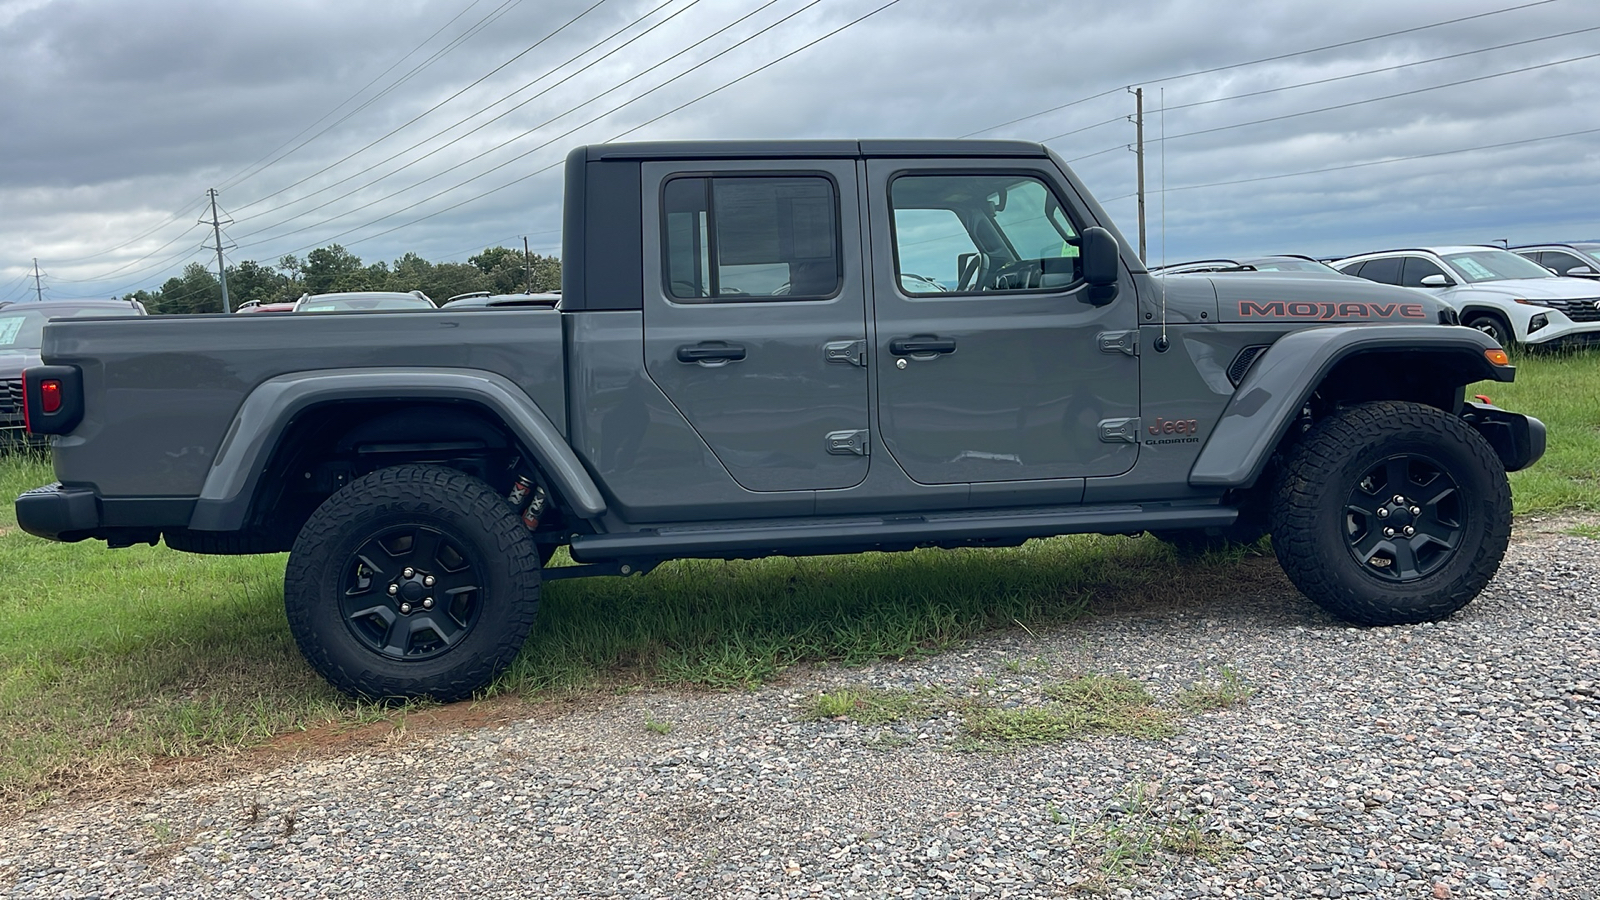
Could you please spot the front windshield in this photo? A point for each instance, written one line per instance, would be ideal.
(23, 329)
(1494, 265)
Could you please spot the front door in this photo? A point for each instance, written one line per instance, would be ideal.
(992, 362)
(755, 315)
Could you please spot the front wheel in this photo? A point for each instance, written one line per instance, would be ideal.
(1492, 325)
(1391, 513)
(413, 581)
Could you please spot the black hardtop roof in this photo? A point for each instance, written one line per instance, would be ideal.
(810, 149)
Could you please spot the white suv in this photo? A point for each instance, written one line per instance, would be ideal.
(1509, 298)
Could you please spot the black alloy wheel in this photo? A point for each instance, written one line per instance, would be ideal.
(411, 593)
(1404, 518)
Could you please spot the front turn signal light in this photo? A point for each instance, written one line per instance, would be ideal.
(1497, 356)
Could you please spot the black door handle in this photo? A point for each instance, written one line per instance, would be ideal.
(920, 344)
(710, 352)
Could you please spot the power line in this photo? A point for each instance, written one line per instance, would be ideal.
(1330, 80)
(470, 32)
(107, 274)
(482, 125)
(1376, 162)
(547, 143)
(553, 165)
(424, 113)
(1410, 93)
(1354, 103)
(1265, 59)
(187, 210)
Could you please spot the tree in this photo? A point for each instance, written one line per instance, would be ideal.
(250, 280)
(195, 291)
(331, 268)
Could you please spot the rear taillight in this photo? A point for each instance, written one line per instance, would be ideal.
(50, 396)
(52, 399)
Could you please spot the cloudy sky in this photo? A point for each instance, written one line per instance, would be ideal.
(439, 127)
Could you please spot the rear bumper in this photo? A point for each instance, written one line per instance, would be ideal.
(59, 513)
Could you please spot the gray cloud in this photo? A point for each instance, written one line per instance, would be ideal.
(120, 116)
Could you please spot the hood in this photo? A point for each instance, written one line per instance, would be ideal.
(1273, 297)
(12, 362)
(1540, 288)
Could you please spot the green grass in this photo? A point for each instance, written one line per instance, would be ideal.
(1561, 389)
(1085, 706)
(876, 707)
(1227, 691)
(117, 658)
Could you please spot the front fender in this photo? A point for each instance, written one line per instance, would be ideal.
(1271, 397)
(266, 412)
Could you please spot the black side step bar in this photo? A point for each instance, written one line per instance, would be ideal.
(800, 537)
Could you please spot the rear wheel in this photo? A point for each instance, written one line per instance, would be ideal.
(1391, 513)
(413, 581)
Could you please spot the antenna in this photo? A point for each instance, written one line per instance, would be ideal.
(1161, 342)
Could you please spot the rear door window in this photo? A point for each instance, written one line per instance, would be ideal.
(738, 238)
(1384, 271)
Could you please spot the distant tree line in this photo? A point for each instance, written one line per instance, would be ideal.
(499, 270)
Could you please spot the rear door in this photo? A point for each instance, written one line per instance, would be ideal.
(992, 364)
(755, 317)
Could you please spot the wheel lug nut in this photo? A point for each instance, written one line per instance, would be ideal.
(394, 589)
(427, 603)
(1383, 512)
(1388, 532)
(1410, 531)
(405, 607)
(1397, 498)
(1416, 510)
(427, 581)
(409, 572)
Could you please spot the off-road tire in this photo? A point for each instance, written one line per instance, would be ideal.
(470, 525)
(1327, 476)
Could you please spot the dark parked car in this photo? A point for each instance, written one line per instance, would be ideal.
(1290, 262)
(1576, 260)
(21, 333)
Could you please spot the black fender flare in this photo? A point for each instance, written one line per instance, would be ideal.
(259, 424)
(1270, 398)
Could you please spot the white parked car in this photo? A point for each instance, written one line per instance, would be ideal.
(1509, 298)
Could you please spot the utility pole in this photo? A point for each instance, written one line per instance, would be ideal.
(38, 288)
(1138, 137)
(216, 224)
(528, 260)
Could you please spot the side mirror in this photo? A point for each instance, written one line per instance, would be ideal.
(1436, 280)
(1583, 272)
(1102, 264)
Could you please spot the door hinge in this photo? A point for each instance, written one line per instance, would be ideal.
(852, 353)
(848, 443)
(1120, 342)
(1120, 431)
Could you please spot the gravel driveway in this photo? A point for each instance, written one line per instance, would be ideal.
(1451, 760)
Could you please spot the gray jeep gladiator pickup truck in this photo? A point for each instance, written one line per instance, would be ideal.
(785, 348)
